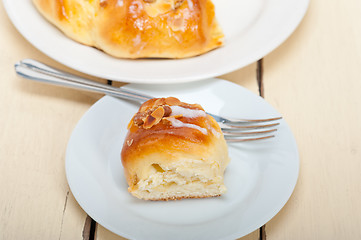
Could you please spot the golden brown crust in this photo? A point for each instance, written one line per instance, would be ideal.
(138, 28)
(168, 137)
(74, 17)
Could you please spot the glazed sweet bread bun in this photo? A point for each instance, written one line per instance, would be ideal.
(138, 28)
(174, 150)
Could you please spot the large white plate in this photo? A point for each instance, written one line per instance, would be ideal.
(260, 177)
(253, 28)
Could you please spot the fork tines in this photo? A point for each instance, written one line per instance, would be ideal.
(249, 130)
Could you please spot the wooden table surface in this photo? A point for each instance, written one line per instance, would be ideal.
(313, 79)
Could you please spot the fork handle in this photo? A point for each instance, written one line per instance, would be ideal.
(34, 70)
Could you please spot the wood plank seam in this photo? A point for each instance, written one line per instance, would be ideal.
(91, 235)
(62, 217)
(90, 225)
(260, 77)
(87, 227)
(262, 234)
(262, 230)
(93, 229)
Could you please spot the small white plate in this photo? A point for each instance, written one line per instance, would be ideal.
(260, 177)
(253, 28)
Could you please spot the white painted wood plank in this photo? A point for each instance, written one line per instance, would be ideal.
(36, 121)
(314, 80)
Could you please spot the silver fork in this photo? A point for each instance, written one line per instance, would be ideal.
(234, 130)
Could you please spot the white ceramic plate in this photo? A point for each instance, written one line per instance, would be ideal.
(260, 177)
(253, 28)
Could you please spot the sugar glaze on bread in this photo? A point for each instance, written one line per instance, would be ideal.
(174, 150)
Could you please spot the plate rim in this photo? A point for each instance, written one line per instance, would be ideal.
(262, 51)
(230, 236)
